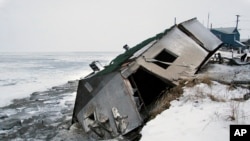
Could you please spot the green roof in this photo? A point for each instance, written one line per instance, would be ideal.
(122, 58)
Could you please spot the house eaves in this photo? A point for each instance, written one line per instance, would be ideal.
(226, 30)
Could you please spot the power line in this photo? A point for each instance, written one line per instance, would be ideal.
(237, 21)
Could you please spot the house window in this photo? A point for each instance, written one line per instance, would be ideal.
(89, 121)
(164, 58)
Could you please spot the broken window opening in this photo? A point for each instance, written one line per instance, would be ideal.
(164, 56)
(91, 123)
(92, 117)
(90, 120)
(148, 87)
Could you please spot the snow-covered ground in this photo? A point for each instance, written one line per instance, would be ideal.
(204, 113)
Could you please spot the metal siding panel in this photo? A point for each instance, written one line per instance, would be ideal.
(210, 41)
(114, 94)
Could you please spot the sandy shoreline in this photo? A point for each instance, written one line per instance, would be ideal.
(44, 115)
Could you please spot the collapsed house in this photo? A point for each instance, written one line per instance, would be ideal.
(114, 101)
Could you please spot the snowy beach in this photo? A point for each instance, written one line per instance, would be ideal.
(202, 113)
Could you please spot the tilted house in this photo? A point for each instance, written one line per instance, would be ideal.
(230, 36)
(114, 101)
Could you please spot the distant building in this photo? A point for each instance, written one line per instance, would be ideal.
(246, 42)
(230, 36)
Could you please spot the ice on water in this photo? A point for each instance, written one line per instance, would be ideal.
(24, 73)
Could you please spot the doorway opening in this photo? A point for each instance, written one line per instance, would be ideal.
(147, 88)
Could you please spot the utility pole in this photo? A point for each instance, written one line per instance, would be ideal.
(208, 20)
(237, 21)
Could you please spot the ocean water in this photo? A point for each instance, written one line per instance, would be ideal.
(21, 74)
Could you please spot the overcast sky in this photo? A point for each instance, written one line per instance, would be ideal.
(105, 25)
